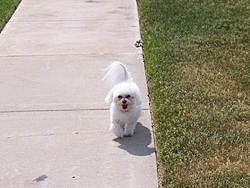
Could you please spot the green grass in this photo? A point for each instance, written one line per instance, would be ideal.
(198, 68)
(7, 7)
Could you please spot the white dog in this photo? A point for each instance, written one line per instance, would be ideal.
(124, 99)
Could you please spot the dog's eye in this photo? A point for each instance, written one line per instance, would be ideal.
(128, 96)
(119, 97)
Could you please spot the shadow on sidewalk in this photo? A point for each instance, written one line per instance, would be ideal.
(138, 144)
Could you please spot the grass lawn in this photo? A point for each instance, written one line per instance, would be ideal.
(7, 7)
(198, 68)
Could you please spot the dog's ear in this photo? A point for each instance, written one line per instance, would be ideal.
(137, 95)
(109, 97)
(138, 99)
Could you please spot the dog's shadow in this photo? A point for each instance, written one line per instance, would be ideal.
(138, 144)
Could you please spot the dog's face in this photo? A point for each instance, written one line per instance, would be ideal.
(124, 102)
(125, 96)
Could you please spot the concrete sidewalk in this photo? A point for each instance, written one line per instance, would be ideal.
(53, 118)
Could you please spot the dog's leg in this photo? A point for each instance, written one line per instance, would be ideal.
(129, 130)
(116, 129)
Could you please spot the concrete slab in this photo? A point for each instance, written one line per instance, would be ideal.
(67, 37)
(73, 149)
(71, 27)
(62, 82)
(69, 10)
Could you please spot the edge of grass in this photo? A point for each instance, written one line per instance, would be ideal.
(7, 8)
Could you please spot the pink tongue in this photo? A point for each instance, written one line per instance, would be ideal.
(124, 107)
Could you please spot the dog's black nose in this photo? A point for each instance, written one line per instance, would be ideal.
(124, 101)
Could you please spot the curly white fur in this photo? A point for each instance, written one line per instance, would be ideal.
(124, 99)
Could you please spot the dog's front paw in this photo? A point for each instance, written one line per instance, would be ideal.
(128, 134)
(129, 130)
(117, 130)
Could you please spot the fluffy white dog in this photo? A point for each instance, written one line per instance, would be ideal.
(124, 99)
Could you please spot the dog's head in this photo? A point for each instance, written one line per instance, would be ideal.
(125, 96)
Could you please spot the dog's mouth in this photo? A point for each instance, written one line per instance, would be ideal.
(124, 107)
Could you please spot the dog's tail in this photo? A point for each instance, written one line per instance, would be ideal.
(117, 73)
